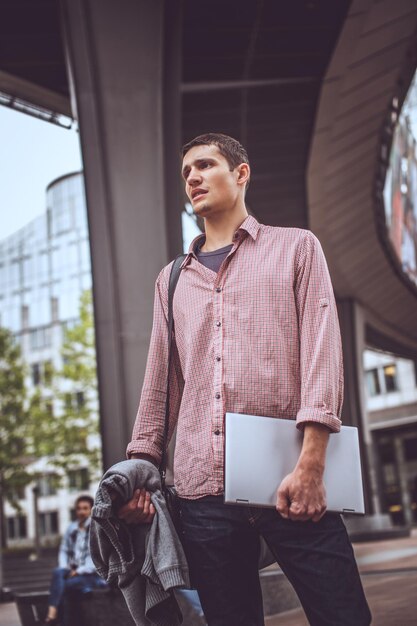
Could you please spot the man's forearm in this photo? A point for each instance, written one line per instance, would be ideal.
(313, 453)
(301, 495)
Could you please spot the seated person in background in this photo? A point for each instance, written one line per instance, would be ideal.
(75, 571)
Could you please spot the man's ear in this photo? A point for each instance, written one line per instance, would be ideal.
(243, 173)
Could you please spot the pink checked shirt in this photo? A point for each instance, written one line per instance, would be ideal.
(259, 337)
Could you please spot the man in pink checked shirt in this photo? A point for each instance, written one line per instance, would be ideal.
(256, 332)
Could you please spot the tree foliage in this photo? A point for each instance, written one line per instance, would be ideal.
(63, 415)
(59, 420)
(13, 442)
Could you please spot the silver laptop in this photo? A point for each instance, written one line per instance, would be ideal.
(260, 451)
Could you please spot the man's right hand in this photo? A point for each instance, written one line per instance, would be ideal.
(139, 510)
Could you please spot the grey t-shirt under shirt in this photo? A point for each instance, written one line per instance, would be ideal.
(214, 259)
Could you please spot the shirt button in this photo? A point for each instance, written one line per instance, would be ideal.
(217, 396)
(218, 289)
(217, 432)
(218, 358)
(218, 323)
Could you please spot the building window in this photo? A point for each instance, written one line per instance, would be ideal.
(390, 377)
(410, 449)
(80, 399)
(17, 527)
(372, 382)
(36, 373)
(74, 401)
(48, 523)
(40, 338)
(79, 479)
(47, 485)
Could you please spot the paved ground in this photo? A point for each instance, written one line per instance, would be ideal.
(389, 574)
(8, 615)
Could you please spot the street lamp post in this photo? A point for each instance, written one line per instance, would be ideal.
(35, 491)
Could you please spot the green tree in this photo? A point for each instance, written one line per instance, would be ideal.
(13, 418)
(60, 419)
(63, 414)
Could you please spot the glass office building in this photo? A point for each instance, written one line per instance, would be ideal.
(44, 268)
(45, 265)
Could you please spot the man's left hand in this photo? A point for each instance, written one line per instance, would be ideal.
(302, 496)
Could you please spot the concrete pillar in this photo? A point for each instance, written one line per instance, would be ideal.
(124, 80)
(352, 326)
(403, 478)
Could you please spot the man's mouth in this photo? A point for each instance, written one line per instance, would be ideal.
(197, 194)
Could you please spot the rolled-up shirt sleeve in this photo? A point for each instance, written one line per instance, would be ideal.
(147, 436)
(321, 357)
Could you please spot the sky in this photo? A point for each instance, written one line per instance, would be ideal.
(33, 153)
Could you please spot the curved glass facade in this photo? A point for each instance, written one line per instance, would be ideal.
(400, 189)
(45, 265)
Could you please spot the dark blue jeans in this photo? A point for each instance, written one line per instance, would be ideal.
(221, 543)
(64, 590)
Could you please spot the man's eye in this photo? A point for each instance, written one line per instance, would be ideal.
(204, 164)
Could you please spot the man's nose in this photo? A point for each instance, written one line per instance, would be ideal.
(193, 177)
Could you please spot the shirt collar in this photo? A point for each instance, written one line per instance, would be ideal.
(249, 225)
(85, 525)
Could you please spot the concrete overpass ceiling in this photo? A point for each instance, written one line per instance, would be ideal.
(32, 65)
(253, 70)
(373, 62)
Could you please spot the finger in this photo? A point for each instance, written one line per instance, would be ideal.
(133, 503)
(150, 518)
(125, 510)
(317, 516)
(297, 516)
(142, 519)
(282, 504)
(141, 501)
(146, 504)
(152, 509)
(298, 512)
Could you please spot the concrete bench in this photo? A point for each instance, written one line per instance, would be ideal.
(106, 607)
(101, 607)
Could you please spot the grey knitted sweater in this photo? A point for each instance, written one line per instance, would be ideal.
(146, 561)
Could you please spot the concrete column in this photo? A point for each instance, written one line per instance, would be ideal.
(352, 326)
(403, 478)
(124, 80)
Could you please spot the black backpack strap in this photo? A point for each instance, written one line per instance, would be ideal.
(173, 280)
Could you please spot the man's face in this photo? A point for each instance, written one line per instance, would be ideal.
(209, 183)
(83, 511)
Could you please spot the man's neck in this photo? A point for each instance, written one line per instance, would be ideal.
(219, 232)
(82, 523)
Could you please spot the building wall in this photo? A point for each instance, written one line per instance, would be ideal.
(391, 402)
(44, 267)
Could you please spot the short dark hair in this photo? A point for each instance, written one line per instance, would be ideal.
(84, 498)
(230, 148)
